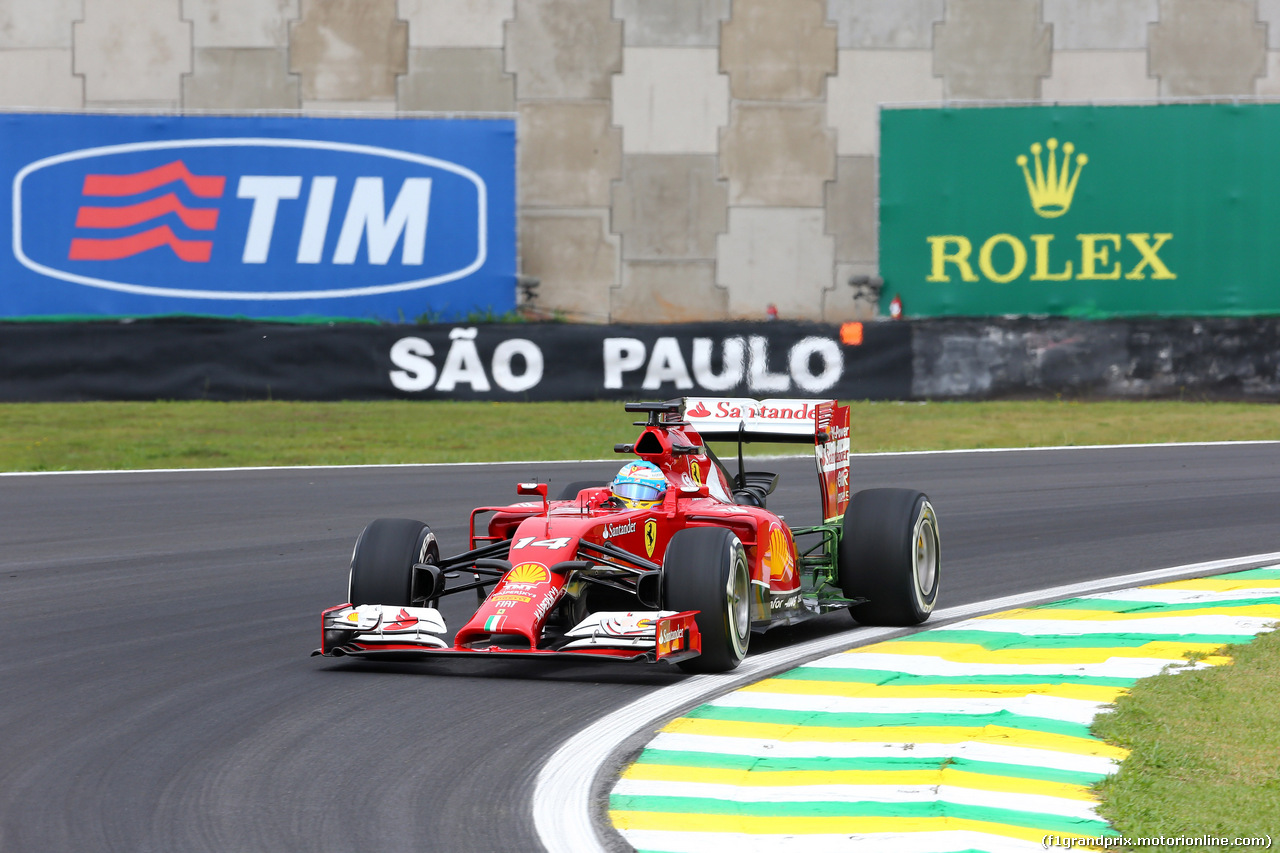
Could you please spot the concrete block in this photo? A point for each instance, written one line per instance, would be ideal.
(902, 24)
(40, 79)
(462, 79)
(132, 50)
(576, 260)
(1100, 24)
(249, 78)
(373, 106)
(869, 78)
(992, 49)
(1269, 14)
(777, 256)
(1208, 47)
(563, 48)
(671, 23)
(669, 206)
(348, 50)
(456, 23)
(778, 49)
(240, 23)
(778, 155)
(853, 296)
(851, 209)
(1091, 75)
(670, 100)
(1269, 86)
(569, 154)
(678, 292)
(38, 23)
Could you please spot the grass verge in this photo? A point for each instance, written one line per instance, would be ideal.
(1205, 750)
(100, 435)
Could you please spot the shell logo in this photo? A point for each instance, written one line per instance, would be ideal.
(529, 573)
(779, 558)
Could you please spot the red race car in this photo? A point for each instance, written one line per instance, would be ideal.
(675, 560)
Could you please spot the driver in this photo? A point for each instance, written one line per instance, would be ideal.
(639, 485)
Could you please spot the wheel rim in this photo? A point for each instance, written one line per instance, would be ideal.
(739, 601)
(925, 555)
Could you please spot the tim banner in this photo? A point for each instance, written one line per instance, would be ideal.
(222, 360)
(1087, 211)
(262, 217)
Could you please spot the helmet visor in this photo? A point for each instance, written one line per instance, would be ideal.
(637, 491)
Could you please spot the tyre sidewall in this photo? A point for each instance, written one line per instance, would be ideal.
(383, 559)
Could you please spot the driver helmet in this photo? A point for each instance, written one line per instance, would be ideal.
(639, 485)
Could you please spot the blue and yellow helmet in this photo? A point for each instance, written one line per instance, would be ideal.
(639, 485)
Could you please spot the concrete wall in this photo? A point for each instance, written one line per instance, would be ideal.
(680, 159)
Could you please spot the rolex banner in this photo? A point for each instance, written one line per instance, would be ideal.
(1088, 211)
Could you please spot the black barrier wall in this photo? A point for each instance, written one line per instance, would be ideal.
(217, 360)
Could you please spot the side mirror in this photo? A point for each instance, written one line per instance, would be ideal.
(539, 489)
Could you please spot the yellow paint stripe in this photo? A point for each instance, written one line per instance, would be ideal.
(818, 825)
(1271, 611)
(974, 653)
(792, 686)
(1000, 735)
(1220, 585)
(779, 778)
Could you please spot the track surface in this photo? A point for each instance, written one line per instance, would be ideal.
(158, 697)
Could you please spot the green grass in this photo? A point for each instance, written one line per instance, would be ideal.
(78, 436)
(1205, 750)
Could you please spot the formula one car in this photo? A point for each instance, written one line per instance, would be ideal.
(676, 560)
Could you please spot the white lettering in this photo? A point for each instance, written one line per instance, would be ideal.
(267, 192)
(666, 364)
(462, 364)
(621, 355)
(315, 225)
(366, 214)
(533, 364)
(416, 372)
(759, 376)
(832, 364)
(733, 355)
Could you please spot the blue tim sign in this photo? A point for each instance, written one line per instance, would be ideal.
(258, 217)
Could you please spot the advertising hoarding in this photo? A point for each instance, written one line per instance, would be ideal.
(1081, 211)
(264, 217)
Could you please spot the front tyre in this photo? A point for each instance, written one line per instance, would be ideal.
(382, 564)
(705, 569)
(891, 555)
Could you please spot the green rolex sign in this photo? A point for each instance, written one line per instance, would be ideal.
(1081, 211)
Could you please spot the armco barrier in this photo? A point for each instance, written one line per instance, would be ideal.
(1217, 358)
(219, 360)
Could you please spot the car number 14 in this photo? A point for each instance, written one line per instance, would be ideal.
(535, 542)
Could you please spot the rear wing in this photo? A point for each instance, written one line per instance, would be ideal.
(824, 423)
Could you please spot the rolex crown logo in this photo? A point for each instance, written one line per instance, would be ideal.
(1051, 190)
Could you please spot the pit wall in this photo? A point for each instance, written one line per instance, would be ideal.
(680, 160)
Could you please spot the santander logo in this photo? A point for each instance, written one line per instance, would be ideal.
(249, 218)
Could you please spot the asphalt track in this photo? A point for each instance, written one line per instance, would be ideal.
(158, 697)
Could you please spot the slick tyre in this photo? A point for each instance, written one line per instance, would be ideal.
(705, 569)
(382, 563)
(891, 555)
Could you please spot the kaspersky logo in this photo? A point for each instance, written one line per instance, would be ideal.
(249, 218)
(1051, 185)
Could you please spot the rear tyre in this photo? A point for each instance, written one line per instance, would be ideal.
(570, 492)
(705, 569)
(382, 564)
(891, 555)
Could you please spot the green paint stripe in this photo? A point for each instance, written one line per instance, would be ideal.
(721, 761)
(996, 641)
(855, 720)
(830, 809)
(1266, 573)
(902, 679)
(1117, 606)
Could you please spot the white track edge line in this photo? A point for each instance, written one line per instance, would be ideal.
(562, 811)
(587, 461)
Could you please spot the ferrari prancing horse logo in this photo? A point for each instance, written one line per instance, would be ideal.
(696, 472)
(650, 536)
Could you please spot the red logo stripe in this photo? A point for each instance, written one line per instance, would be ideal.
(209, 186)
(202, 219)
(197, 251)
